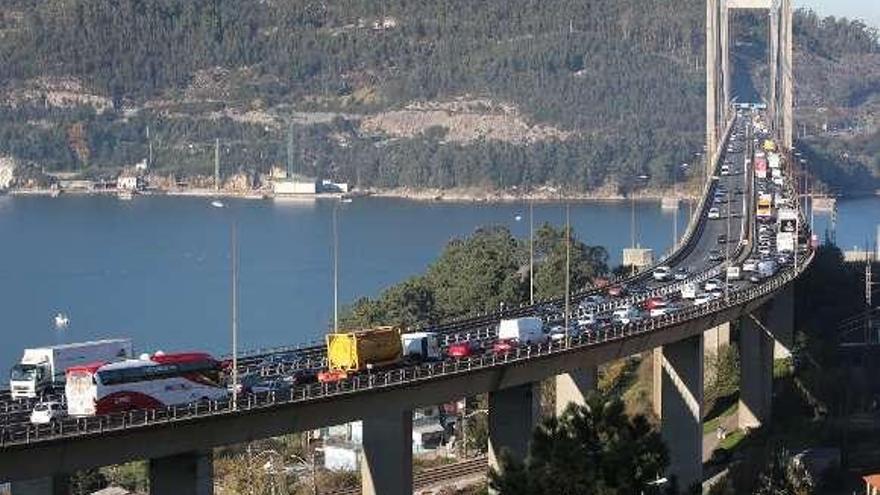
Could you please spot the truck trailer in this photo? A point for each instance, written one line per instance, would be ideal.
(44, 368)
(360, 350)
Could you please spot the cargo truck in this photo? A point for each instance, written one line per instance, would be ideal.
(526, 330)
(360, 350)
(43, 368)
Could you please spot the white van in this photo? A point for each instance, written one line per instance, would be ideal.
(527, 330)
(734, 273)
(689, 291)
(422, 346)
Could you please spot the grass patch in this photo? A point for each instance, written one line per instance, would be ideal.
(710, 425)
(732, 440)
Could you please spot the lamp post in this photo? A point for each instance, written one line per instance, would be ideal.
(632, 221)
(531, 251)
(683, 167)
(567, 271)
(234, 330)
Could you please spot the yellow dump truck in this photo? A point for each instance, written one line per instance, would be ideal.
(351, 352)
(769, 145)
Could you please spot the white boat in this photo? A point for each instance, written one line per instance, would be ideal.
(61, 321)
(125, 195)
(217, 203)
(345, 199)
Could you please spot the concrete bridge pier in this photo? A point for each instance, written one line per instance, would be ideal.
(386, 465)
(185, 474)
(52, 485)
(681, 408)
(513, 415)
(756, 373)
(765, 335)
(573, 387)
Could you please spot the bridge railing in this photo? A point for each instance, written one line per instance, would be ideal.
(98, 425)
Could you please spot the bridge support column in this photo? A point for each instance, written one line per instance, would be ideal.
(780, 321)
(681, 408)
(184, 474)
(386, 466)
(52, 485)
(513, 414)
(573, 387)
(715, 338)
(756, 373)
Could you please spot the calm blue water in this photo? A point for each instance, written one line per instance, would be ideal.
(157, 269)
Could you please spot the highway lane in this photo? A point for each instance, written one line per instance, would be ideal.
(313, 357)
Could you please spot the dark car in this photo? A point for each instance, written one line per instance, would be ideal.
(301, 377)
(722, 239)
(715, 255)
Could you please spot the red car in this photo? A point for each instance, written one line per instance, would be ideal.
(462, 349)
(504, 346)
(617, 291)
(655, 302)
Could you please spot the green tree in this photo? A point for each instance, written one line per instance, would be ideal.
(587, 262)
(478, 273)
(592, 449)
(784, 477)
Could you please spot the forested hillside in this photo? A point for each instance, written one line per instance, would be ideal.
(390, 93)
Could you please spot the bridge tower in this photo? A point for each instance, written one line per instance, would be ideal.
(718, 70)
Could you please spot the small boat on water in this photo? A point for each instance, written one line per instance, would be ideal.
(61, 321)
(125, 195)
(217, 203)
(345, 199)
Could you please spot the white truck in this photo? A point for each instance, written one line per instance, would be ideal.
(774, 160)
(43, 368)
(785, 242)
(421, 346)
(689, 291)
(526, 330)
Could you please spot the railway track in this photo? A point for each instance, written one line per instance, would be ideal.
(438, 475)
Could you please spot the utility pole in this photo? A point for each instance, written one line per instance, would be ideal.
(149, 150)
(869, 331)
(567, 269)
(531, 251)
(290, 149)
(234, 316)
(335, 271)
(217, 164)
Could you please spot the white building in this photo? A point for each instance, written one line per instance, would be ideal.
(295, 185)
(129, 183)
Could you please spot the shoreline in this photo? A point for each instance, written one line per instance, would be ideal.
(455, 196)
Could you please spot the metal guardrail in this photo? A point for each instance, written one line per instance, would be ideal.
(71, 428)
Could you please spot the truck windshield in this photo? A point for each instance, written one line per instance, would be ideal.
(23, 372)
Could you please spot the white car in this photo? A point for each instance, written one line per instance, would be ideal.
(681, 274)
(626, 315)
(47, 412)
(725, 170)
(712, 285)
(703, 298)
(661, 273)
(750, 265)
(661, 311)
(714, 213)
(587, 320)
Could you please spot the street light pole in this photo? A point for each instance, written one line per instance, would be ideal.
(531, 251)
(234, 316)
(567, 268)
(335, 271)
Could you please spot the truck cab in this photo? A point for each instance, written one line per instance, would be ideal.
(29, 379)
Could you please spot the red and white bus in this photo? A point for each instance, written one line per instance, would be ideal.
(149, 382)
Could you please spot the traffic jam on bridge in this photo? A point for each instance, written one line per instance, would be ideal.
(746, 233)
